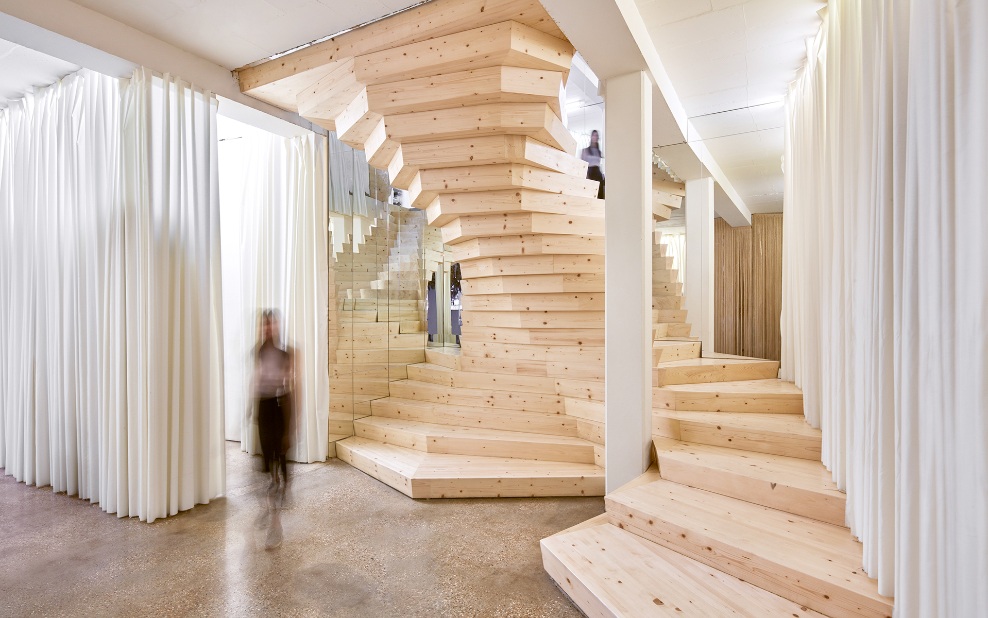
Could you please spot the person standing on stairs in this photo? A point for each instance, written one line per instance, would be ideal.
(455, 301)
(593, 155)
(273, 385)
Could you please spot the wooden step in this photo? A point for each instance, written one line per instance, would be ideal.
(669, 315)
(667, 289)
(467, 416)
(662, 330)
(437, 374)
(528, 244)
(449, 206)
(705, 370)
(533, 265)
(477, 398)
(457, 440)
(777, 434)
(812, 563)
(429, 475)
(767, 396)
(666, 351)
(607, 571)
(445, 357)
(667, 302)
(797, 486)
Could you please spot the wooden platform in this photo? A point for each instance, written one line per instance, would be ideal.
(426, 475)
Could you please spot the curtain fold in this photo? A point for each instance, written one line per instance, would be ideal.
(885, 301)
(109, 227)
(275, 256)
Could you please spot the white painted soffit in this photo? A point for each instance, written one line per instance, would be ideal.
(23, 70)
(81, 36)
(612, 38)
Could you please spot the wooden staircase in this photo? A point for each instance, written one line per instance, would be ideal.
(737, 518)
(458, 101)
(445, 432)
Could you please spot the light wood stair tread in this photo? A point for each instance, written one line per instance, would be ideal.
(755, 387)
(808, 561)
(799, 486)
(611, 572)
(784, 424)
(799, 472)
(749, 396)
(712, 362)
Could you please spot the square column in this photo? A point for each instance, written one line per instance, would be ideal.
(628, 274)
(698, 280)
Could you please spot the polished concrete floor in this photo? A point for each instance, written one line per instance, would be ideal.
(352, 547)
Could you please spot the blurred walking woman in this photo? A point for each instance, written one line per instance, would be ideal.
(274, 380)
(592, 155)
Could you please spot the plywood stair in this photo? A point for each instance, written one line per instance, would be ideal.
(446, 433)
(738, 517)
(458, 102)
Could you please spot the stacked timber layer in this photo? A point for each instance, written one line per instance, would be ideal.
(739, 518)
(458, 100)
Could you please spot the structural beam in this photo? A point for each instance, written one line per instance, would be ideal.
(628, 276)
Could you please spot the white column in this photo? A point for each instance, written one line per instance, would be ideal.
(628, 271)
(698, 279)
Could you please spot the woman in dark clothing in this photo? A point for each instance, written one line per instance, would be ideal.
(593, 155)
(274, 378)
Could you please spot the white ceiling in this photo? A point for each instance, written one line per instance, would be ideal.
(22, 70)
(731, 62)
(234, 33)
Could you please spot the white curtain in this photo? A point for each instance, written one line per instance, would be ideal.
(885, 287)
(275, 256)
(110, 293)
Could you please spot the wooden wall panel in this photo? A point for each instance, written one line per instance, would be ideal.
(748, 287)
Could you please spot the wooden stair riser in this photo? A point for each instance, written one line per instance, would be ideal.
(485, 418)
(738, 435)
(422, 391)
(674, 350)
(512, 445)
(708, 370)
(781, 487)
(723, 398)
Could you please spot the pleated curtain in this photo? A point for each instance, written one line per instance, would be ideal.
(275, 256)
(109, 277)
(885, 287)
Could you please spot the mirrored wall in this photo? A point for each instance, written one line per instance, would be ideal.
(393, 289)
